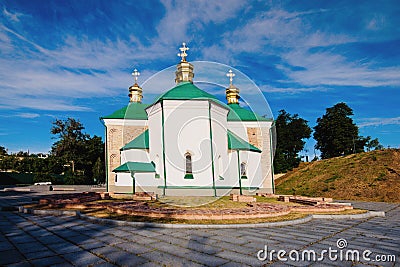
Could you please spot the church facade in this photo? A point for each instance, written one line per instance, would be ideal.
(188, 143)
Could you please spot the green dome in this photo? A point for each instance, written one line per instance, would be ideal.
(238, 113)
(133, 111)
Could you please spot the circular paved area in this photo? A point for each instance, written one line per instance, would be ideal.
(30, 240)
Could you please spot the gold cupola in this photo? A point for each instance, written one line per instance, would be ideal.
(232, 92)
(135, 91)
(184, 72)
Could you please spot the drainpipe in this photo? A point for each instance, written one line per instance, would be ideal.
(133, 183)
(163, 147)
(272, 159)
(212, 150)
(240, 178)
(105, 152)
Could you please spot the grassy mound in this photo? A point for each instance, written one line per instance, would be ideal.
(369, 176)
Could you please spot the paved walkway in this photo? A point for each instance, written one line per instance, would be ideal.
(30, 240)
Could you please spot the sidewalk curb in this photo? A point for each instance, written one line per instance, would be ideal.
(369, 214)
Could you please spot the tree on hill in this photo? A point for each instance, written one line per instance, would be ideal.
(77, 150)
(291, 130)
(373, 144)
(336, 133)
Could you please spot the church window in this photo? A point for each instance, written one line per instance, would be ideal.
(188, 166)
(243, 170)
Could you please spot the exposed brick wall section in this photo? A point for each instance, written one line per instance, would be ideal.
(254, 136)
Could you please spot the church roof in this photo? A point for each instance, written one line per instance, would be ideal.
(186, 91)
(237, 143)
(140, 142)
(238, 113)
(131, 166)
(133, 111)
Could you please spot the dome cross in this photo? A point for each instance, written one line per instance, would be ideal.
(183, 53)
(230, 75)
(135, 74)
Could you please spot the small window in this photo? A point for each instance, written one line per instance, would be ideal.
(243, 170)
(188, 158)
(188, 166)
(116, 178)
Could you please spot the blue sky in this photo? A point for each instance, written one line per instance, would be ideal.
(62, 59)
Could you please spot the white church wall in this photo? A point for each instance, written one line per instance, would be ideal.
(123, 179)
(135, 155)
(186, 130)
(254, 175)
(155, 137)
(145, 180)
(220, 140)
(232, 173)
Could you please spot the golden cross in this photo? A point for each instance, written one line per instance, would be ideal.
(135, 75)
(230, 74)
(183, 50)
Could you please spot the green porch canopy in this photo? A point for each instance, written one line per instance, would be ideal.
(135, 167)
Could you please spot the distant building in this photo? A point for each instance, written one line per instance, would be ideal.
(187, 142)
(42, 156)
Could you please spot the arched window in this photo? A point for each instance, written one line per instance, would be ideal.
(243, 170)
(188, 168)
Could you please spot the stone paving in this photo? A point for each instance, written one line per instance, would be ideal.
(31, 240)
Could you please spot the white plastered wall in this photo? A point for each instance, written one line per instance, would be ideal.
(186, 130)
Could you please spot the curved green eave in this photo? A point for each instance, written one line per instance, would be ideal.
(238, 113)
(140, 142)
(186, 91)
(237, 143)
(133, 111)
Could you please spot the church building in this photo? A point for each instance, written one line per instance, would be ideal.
(187, 142)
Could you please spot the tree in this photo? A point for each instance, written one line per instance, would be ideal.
(3, 151)
(291, 130)
(336, 134)
(77, 150)
(373, 144)
(98, 171)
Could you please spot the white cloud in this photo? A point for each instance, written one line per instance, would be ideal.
(183, 17)
(33, 76)
(292, 90)
(333, 69)
(289, 35)
(367, 122)
(11, 16)
(27, 115)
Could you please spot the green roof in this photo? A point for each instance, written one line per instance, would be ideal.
(186, 91)
(238, 113)
(237, 143)
(135, 167)
(133, 111)
(140, 142)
